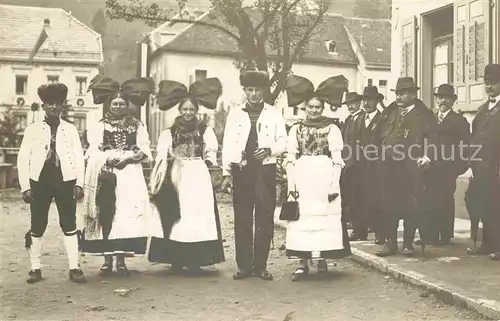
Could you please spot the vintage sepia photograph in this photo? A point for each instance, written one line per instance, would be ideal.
(249, 160)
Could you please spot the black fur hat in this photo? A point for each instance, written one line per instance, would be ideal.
(53, 93)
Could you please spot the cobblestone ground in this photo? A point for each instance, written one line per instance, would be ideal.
(350, 292)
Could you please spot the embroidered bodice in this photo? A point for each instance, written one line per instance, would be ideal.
(119, 138)
(188, 144)
(312, 141)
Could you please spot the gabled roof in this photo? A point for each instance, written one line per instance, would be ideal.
(68, 38)
(373, 38)
(200, 39)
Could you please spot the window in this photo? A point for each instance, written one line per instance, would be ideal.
(21, 121)
(21, 85)
(382, 83)
(80, 122)
(81, 86)
(52, 79)
(370, 82)
(332, 45)
(442, 68)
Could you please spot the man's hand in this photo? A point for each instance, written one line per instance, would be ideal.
(78, 193)
(226, 184)
(208, 163)
(424, 162)
(261, 153)
(28, 196)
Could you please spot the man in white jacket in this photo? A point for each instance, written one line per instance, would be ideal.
(51, 166)
(254, 136)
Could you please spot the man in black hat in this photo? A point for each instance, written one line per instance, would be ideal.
(372, 198)
(453, 135)
(407, 136)
(484, 188)
(51, 166)
(351, 182)
(254, 136)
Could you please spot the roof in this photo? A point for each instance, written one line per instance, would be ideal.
(69, 38)
(201, 39)
(373, 37)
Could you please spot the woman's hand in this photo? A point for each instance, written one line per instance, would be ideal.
(123, 162)
(112, 161)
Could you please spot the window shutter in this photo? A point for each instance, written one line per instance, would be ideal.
(408, 61)
(472, 51)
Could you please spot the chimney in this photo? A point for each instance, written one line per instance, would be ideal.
(46, 22)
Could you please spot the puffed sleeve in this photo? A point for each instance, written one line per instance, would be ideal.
(94, 138)
(292, 146)
(143, 142)
(335, 145)
(163, 150)
(210, 145)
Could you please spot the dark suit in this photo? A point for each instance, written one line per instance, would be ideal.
(405, 186)
(351, 182)
(453, 132)
(372, 196)
(484, 189)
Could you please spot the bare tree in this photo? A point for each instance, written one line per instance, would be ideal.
(271, 34)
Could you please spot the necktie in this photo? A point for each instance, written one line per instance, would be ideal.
(441, 117)
(367, 121)
(493, 100)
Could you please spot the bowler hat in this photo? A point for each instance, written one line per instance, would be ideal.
(352, 97)
(492, 73)
(405, 83)
(254, 78)
(53, 93)
(446, 90)
(371, 92)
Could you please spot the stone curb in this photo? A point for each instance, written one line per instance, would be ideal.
(443, 291)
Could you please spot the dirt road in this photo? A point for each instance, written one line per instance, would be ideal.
(350, 292)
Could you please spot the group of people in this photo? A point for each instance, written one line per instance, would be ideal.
(331, 185)
(409, 163)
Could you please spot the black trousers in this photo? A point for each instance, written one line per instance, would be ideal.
(254, 189)
(404, 197)
(352, 189)
(44, 191)
(443, 214)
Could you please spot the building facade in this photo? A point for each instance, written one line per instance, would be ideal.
(196, 52)
(70, 53)
(446, 41)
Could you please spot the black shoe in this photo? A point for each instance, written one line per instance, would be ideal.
(122, 269)
(263, 274)
(241, 274)
(387, 250)
(34, 276)
(478, 250)
(76, 275)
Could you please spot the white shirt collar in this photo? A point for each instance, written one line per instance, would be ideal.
(356, 113)
(372, 114)
(445, 113)
(491, 105)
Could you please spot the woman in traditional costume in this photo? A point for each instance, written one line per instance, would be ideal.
(181, 184)
(116, 204)
(314, 167)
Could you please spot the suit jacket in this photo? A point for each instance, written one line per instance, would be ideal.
(486, 133)
(416, 135)
(453, 132)
(351, 134)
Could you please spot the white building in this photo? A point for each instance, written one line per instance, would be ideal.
(446, 41)
(195, 51)
(71, 54)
